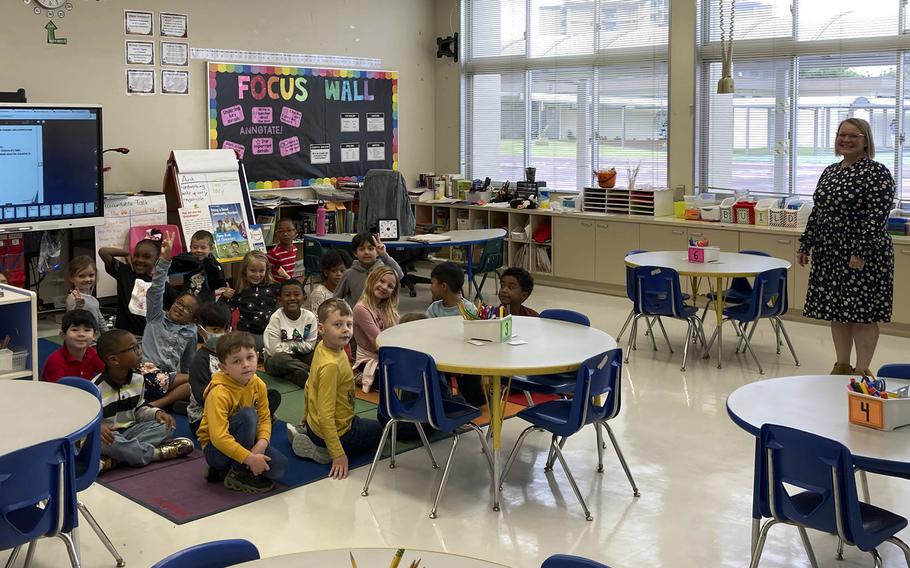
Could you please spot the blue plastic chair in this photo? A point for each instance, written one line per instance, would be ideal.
(36, 497)
(87, 461)
(597, 399)
(658, 293)
(568, 561)
(557, 383)
(491, 260)
(822, 494)
(411, 392)
(895, 371)
(740, 289)
(215, 554)
(768, 301)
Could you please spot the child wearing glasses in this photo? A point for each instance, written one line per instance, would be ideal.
(169, 342)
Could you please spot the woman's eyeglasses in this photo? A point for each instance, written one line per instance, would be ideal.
(851, 136)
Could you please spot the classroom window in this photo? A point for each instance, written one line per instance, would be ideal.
(587, 89)
(799, 70)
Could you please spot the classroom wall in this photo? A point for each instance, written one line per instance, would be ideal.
(90, 68)
(448, 92)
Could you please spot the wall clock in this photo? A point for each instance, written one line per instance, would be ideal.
(388, 229)
(52, 8)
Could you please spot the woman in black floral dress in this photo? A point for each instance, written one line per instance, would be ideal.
(852, 274)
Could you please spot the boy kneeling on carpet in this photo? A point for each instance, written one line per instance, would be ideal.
(236, 426)
(132, 431)
(331, 430)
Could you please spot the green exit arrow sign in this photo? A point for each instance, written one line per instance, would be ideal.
(52, 38)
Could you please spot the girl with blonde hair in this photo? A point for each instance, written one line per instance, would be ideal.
(376, 310)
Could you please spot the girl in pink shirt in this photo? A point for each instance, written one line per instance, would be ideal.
(376, 310)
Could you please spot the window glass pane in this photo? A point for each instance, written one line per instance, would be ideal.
(496, 126)
(905, 148)
(496, 27)
(747, 131)
(832, 89)
(560, 103)
(754, 20)
(561, 27)
(633, 23)
(836, 19)
(632, 123)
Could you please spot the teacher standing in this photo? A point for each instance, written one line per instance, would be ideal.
(852, 276)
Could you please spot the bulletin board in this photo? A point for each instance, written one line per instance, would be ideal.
(295, 125)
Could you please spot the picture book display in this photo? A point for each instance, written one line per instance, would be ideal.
(231, 235)
(295, 126)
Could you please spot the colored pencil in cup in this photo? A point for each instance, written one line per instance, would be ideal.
(353, 562)
(397, 558)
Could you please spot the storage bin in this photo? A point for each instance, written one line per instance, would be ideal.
(789, 218)
(744, 213)
(710, 213)
(497, 330)
(879, 413)
(13, 359)
(704, 254)
(763, 211)
(726, 210)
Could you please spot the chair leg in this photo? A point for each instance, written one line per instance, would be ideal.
(445, 476)
(385, 434)
(701, 334)
(808, 546)
(394, 444)
(686, 346)
(13, 556)
(551, 456)
(565, 468)
(83, 510)
(426, 444)
(903, 546)
(71, 549)
(484, 446)
(704, 312)
(529, 399)
(749, 347)
(600, 447)
(839, 555)
(876, 557)
(632, 333)
(622, 459)
(625, 325)
(666, 337)
(650, 322)
(777, 340)
(514, 453)
(780, 326)
(760, 545)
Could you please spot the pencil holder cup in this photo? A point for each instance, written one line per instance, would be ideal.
(495, 330)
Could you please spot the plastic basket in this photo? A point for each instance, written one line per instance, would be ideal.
(13, 359)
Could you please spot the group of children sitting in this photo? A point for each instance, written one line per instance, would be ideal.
(179, 351)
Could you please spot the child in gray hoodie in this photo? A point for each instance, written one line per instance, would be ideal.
(370, 252)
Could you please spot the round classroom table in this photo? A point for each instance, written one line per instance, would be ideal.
(467, 238)
(729, 265)
(370, 558)
(32, 412)
(552, 347)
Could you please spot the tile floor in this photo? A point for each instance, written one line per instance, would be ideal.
(692, 465)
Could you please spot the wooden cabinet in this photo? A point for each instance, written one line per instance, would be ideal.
(901, 313)
(783, 247)
(613, 240)
(655, 237)
(573, 248)
(727, 240)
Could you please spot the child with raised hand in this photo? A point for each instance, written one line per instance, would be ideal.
(202, 274)
(134, 278)
(377, 310)
(515, 285)
(256, 295)
(332, 265)
(333, 432)
(370, 252)
(283, 256)
(236, 428)
(290, 337)
(132, 431)
(446, 281)
(76, 357)
(170, 337)
(82, 275)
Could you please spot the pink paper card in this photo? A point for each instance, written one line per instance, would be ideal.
(241, 149)
(232, 115)
(289, 146)
(262, 146)
(262, 115)
(291, 116)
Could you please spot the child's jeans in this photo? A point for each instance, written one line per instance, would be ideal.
(295, 368)
(362, 437)
(242, 427)
(136, 445)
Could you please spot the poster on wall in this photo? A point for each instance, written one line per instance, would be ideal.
(295, 125)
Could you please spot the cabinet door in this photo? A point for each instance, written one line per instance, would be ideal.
(573, 248)
(901, 312)
(727, 240)
(657, 237)
(779, 246)
(613, 241)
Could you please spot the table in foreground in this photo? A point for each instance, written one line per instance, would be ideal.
(552, 347)
(370, 558)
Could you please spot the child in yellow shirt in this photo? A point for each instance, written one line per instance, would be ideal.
(236, 426)
(333, 432)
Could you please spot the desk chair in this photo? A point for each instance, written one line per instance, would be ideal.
(895, 371)
(411, 393)
(37, 498)
(215, 554)
(491, 260)
(739, 291)
(806, 481)
(312, 252)
(567, 561)
(596, 400)
(87, 461)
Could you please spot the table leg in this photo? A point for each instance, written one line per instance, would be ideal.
(719, 311)
(496, 402)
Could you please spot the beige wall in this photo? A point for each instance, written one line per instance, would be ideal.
(90, 68)
(448, 92)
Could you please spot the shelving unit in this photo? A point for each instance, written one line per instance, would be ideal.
(622, 201)
(19, 321)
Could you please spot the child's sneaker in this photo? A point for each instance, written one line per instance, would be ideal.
(304, 447)
(213, 475)
(241, 479)
(173, 448)
(106, 464)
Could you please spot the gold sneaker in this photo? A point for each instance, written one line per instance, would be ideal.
(842, 369)
(173, 448)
